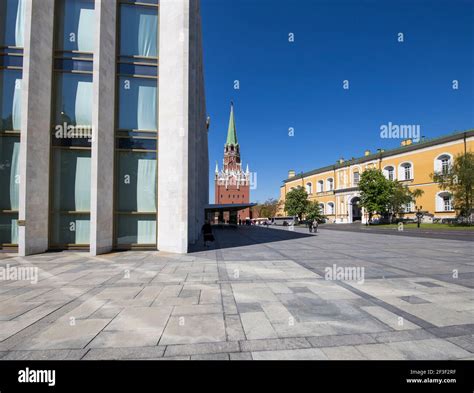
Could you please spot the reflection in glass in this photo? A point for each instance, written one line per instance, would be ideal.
(138, 104)
(71, 194)
(76, 26)
(137, 182)
(74, 101)
(136, 229)
(138, 31)
(71, 229)
(10, 100)
(9, 229)
(12, 22)
(9, 172)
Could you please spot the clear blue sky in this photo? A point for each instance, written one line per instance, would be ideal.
(299, 84)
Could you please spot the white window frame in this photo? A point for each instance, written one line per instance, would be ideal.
(438, 162)
(330, 184)
(402, 170)
(320, 186)
(330, 207)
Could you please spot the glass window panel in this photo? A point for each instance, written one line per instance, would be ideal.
(76, 28)
(9, 172)
(133, 69)
(10, 100)
(76, 141)
(71, 229)
(136, 229)
(133, 143)
(9, 229)
(138, 104)
(71, 182)
(127, 133)
(137, 182)
(138, 31)
(74, 99)
(73, 65)
(12, 22)
(11, 61)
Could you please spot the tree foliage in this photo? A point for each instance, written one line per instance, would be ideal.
(400, 196)
(375, 192)
(313, 211)
(269, 208)
(459, 180)
(296, 202)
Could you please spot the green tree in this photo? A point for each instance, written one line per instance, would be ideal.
(313, 211)
(459, 180)
(269, 208)
(401, 195)
(375, 192)
(296, 202)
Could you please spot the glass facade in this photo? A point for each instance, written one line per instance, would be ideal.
(12, 17)
(71, 133)
(137, 126)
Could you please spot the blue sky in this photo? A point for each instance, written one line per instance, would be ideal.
(300, 84)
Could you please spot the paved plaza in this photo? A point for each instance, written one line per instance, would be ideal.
(256, 293)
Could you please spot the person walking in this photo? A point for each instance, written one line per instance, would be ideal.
(207, 233)
(310, 226)
(315, 226)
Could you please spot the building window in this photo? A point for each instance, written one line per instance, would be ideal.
(72, 124)
(71, 197)
(10, 100)
(406, 171)
(408, 207)
(330, 208)
(137, 125)
(447, 203)
(76, 27)
(330, 184)
(74, 100)
(309, 188)
(12, 20)
(356, 178)
(389, 172)
(444, 201)
(321, 208)
(138, 104)
(443, 164)
(12, 23)
(138, 31)
(320, 186)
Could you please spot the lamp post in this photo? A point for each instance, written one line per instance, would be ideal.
(419, 215)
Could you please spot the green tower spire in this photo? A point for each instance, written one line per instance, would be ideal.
(231, 133)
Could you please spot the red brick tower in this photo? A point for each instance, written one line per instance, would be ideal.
(232, 184)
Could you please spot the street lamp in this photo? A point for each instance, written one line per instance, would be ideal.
(419, 215)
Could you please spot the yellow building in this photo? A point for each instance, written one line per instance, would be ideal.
(335, 186)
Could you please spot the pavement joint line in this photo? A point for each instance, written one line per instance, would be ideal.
(409, 317)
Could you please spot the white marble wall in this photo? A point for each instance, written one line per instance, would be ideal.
(103, 112)
(35, 127)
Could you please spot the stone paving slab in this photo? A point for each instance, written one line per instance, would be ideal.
(257, 293)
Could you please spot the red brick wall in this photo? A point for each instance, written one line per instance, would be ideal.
(231, 195)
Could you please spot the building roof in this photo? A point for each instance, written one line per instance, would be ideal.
(231, 132)
(227, 207)
(386, 153)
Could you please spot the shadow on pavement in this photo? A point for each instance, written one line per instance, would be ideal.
(228, 237)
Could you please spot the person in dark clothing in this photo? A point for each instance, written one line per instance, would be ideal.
(310, 226)
(315, 226)
(207, 233)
